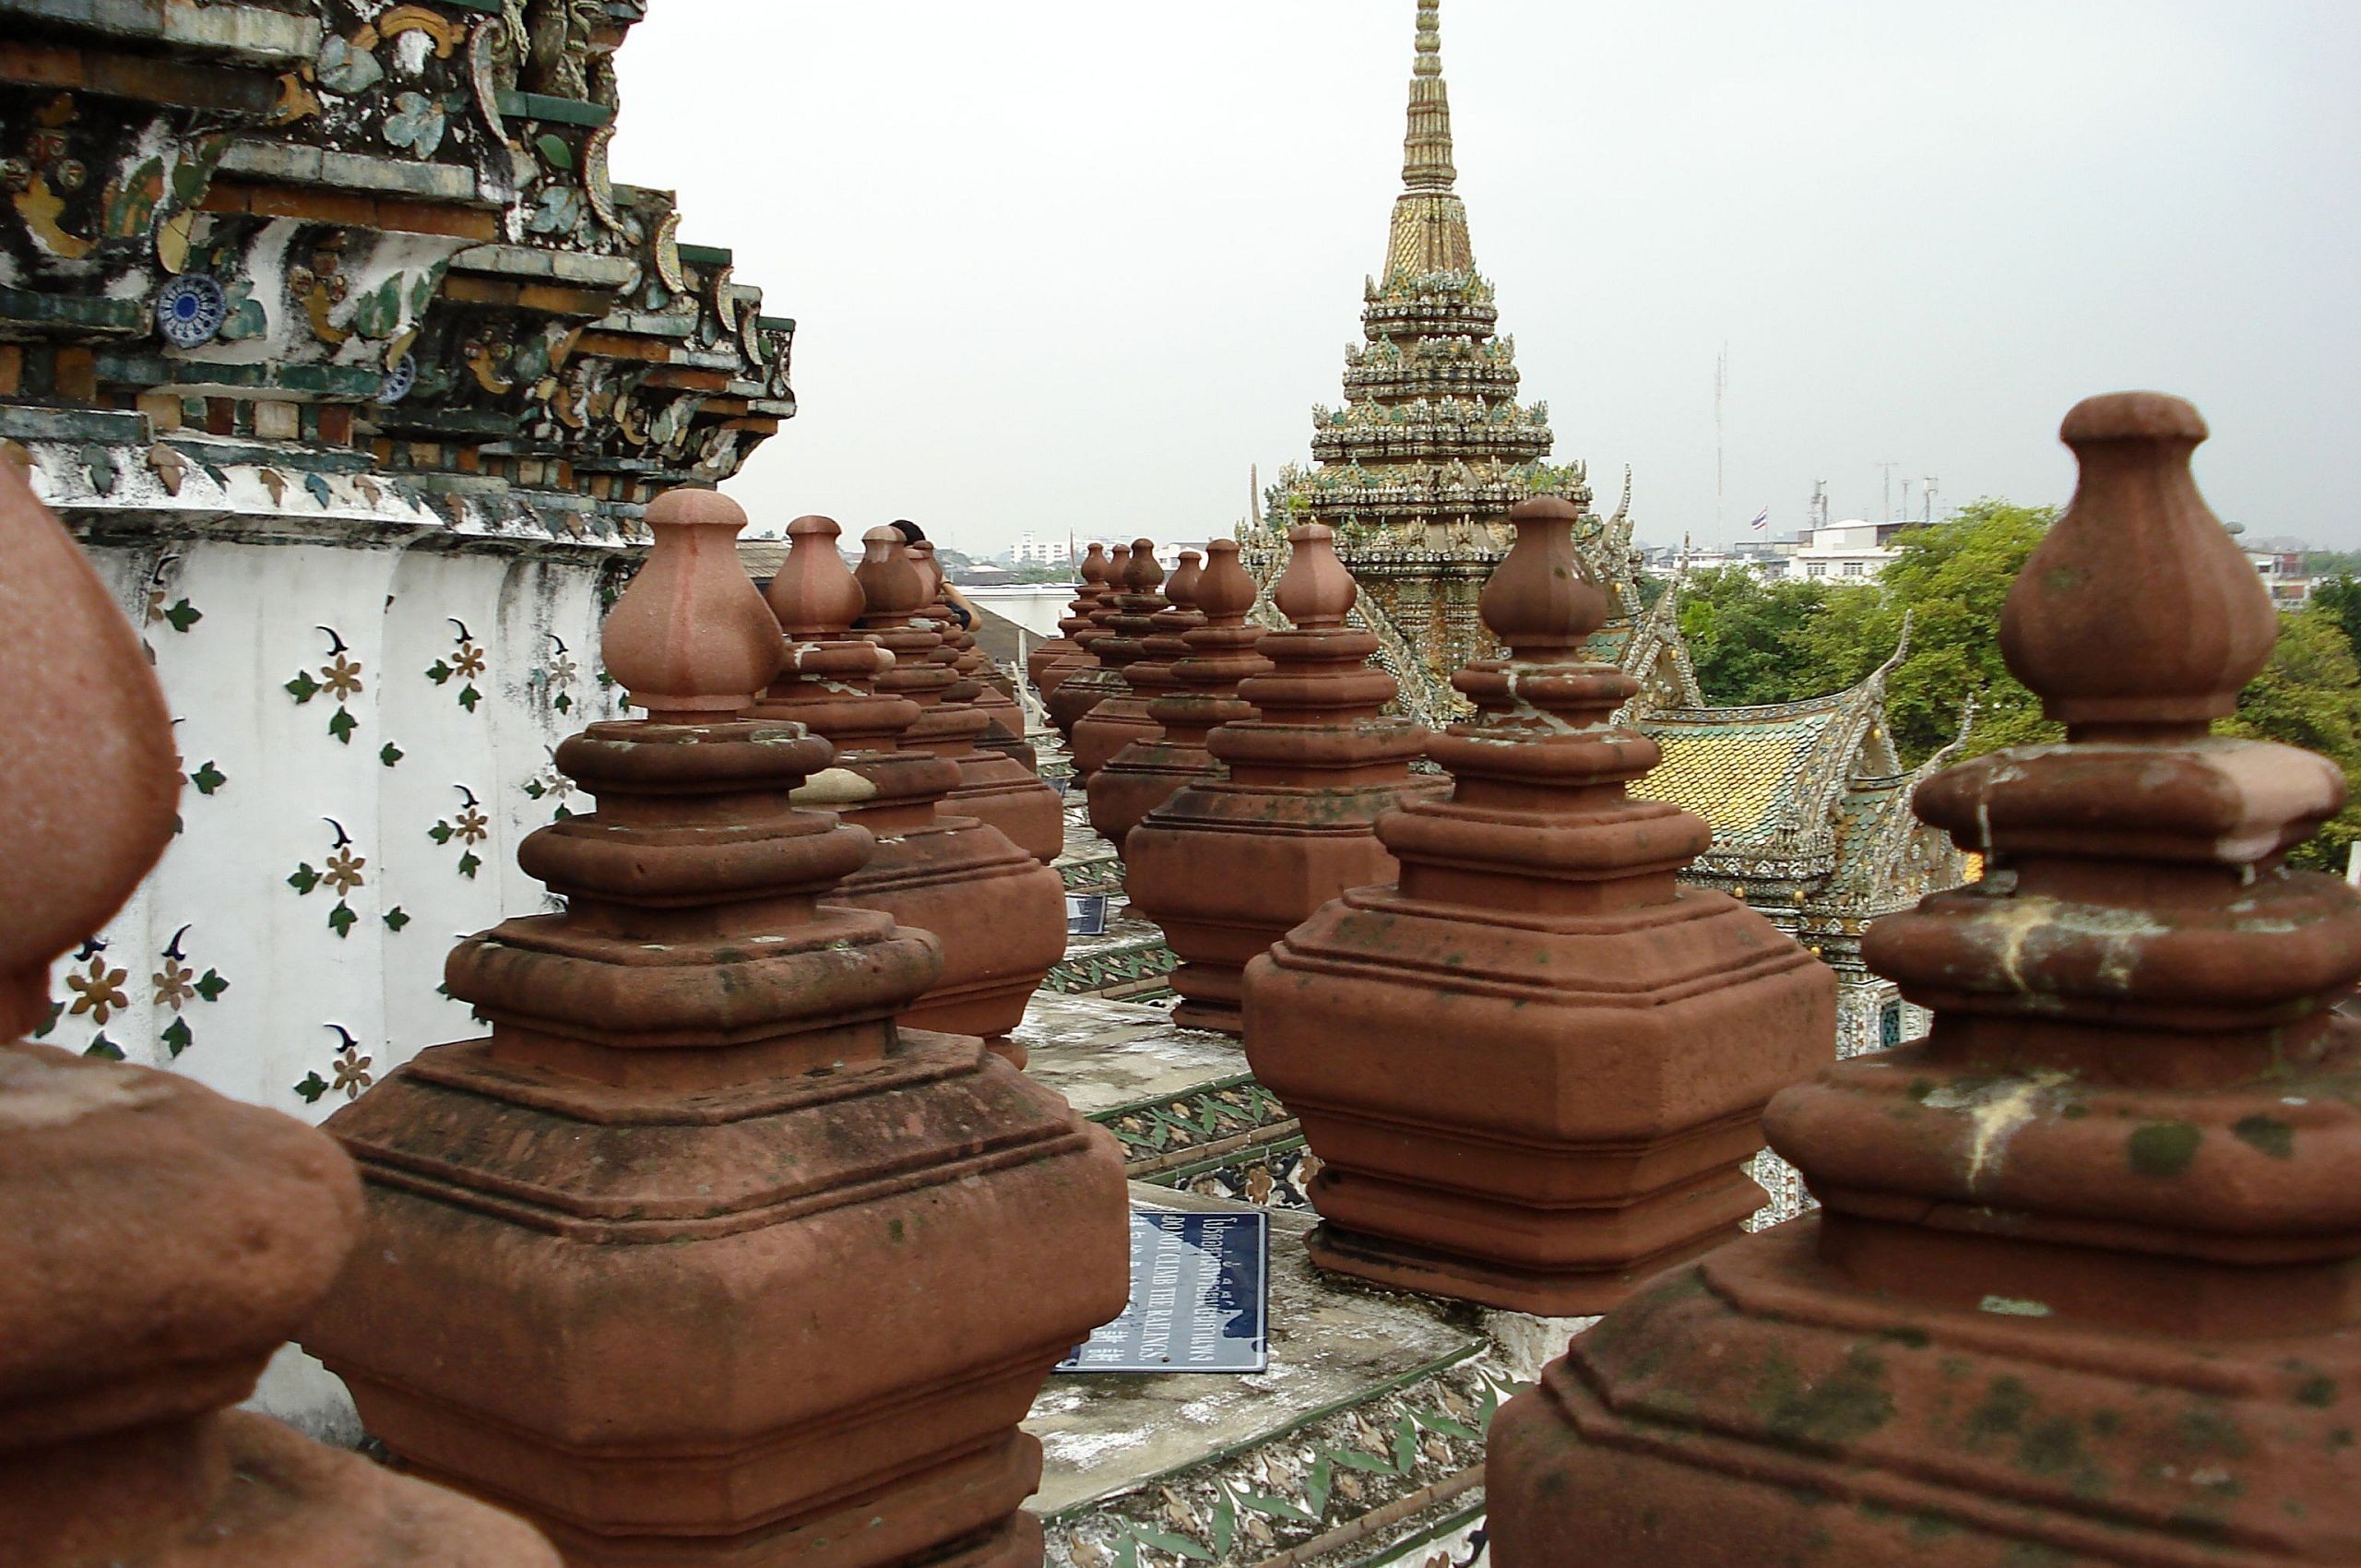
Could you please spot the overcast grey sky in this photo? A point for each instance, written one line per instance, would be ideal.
(1074, 265)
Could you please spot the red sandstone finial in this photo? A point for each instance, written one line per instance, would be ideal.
(2137, 610)
(1142, 573)
(691, 640)
(930, 569)
(86, 754)
(1315, 589)
(893, 582)
(1542, 599)
(1224, 589)
(814, 594)
(1094, 565)
(1180, 587)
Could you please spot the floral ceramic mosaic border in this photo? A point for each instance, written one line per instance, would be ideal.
(1292, 1488)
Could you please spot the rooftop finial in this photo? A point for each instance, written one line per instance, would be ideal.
(1315, 589)
(1430, 222)
(691, 639)
(1426, 151)
(2138, 611)
(813, 593)
(1542, 601)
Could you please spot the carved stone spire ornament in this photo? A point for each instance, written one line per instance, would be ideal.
(993, 696)
(1048, 665)
(1119, 715)
(1129, 721)
(1534, 1068)
(157, 1243)
(2082, 1287)
(1094, 681)
(1228, 865)
(992, 785)
(701, 1258)
(1200, 694)
(997, 913)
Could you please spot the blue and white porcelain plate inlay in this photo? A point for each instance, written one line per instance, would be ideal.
(398, 380)
(190, 309)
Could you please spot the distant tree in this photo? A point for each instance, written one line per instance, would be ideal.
(949, 559)
(1951, 581)
(2340, 595)
(2310, 695)
(2333, 563)
(1756, 642)
(1746, 635)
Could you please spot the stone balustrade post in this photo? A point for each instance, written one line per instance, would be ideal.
(1534, 1066)
(157, 1243)
(1197, 695)
(2083, 1286)
(701, 1258)
(1228, 866)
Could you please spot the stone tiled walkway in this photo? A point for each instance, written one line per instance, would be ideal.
(1363, 1443)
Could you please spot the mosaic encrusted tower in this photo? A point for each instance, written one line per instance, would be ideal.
(700, 1258)
(157, 1242)
(1228, 865)
(1430, 446)
(1534, 1068)
(2083, 1286)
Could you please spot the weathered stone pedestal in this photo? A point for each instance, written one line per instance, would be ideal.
(2084, 1286)
(1128, 618)
(1535, 1067)
(1228, 866)
(1130, 719)
(1090, 683)
(157, 1242)
(1195, 694)
(997, 913)
(1120, 714)
(1004, 733)
(994, 787)
(1048, 665)
(700, 1258)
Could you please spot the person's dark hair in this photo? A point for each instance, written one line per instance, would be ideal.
(911, 532)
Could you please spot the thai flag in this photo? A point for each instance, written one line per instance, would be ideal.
(1762, 520)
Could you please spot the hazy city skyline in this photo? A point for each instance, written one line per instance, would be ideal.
(1073, 267)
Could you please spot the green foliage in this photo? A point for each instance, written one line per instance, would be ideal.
(2341, 597)
(1765, 641)
(1746, 635)
(2310, 695)
(1757, 642)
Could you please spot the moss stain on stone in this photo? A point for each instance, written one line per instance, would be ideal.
(1843, 1404)
(2163, 1149)
(2267, 1134)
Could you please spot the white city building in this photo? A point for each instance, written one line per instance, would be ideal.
(1852, 550)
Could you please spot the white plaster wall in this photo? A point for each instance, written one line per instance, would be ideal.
(331, 982)
(267, 1000)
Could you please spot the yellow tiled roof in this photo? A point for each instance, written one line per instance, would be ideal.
(1741, 776)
